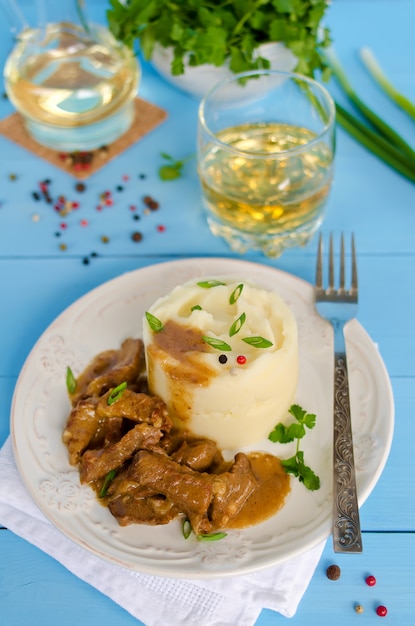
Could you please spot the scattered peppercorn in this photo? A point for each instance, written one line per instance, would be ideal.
(382, 611)
(35, 195)
(333, 572)
(223, 359)
(12, 176)
(371, 581)
(142, 176)
(241, 359)
(62, 246)
(358, 608)
(161, 228)
(80, 187)
(35, 217)
(136, 236)
(94, 254)
(85, 260)
(136, 217)
(119, 188)
(104, 239)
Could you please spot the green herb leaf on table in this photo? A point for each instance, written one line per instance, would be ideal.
(173, 169)
(296, 431)
(70, 381)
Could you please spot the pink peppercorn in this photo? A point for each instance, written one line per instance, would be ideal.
(161, 228)
(241, 359)
(382, 611)
(371, 581)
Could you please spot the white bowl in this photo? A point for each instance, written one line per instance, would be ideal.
(198, 80)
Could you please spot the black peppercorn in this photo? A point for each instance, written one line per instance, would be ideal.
(333, 572)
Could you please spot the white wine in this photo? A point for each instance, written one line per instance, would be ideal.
(269, 178)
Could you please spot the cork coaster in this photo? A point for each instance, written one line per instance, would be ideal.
(147, 117)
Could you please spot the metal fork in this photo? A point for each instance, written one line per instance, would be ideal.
(338, 306)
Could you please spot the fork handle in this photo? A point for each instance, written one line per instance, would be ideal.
(346, 522)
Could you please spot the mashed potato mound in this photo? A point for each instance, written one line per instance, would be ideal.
(223, 355)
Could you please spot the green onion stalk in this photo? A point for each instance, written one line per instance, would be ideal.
(374, 133)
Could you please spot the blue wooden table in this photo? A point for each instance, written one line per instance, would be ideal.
(39, 280)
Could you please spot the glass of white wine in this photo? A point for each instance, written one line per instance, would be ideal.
(265, 156)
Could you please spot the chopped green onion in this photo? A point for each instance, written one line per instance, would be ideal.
(208, 284)
(107, 481)
(211, 536)
(154, 323)
(376, 144)
(237, 325)
(196, 307)
(186, 528)
(258, 342)
(70, 380)
(379, 76)
(235, 294)
(218, 344)
(116, 393)
(377, 122)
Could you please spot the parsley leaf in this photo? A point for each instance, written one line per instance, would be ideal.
(223, 31)
(173, 169)
(296, 431)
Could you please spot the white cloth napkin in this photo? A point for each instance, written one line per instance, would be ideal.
(179, 602)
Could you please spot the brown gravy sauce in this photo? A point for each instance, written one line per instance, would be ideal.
(274, 485)
(176, 348)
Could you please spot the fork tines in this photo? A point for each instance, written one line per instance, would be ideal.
(330, 291)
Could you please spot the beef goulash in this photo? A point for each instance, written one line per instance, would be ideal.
(148, 471)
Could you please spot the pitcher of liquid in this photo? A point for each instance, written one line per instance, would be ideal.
(72, 82)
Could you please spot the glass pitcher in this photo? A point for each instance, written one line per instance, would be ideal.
(72, 82)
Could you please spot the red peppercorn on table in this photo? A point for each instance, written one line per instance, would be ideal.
(60, 238)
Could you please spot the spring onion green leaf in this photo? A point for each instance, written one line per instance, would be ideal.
(258, 342)
(196, 307)
(154, 323)
(107, 481)
(380, 77)
(218, 344)
(211, 536)
(376, 144)
(70, 381)
(186, 528)
(116, 393)
(237, 325)
(377, 122)
(235, 294)
(208, 284)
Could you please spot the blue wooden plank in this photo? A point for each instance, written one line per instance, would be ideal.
(33, 584)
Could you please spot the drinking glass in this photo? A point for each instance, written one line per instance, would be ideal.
(265, 156)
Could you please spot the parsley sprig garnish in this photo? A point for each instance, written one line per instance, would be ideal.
(173, 168)
(285, 434)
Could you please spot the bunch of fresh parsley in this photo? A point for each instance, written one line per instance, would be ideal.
(223, 30)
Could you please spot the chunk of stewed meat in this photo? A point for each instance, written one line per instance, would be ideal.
(199, 454)
(111, 368)
(137, 407)
(132, 509)
(97, 463)
(80, 429)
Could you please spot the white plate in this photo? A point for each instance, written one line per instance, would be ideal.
(101, 320)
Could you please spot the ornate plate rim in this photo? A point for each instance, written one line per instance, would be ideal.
(75, 511)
